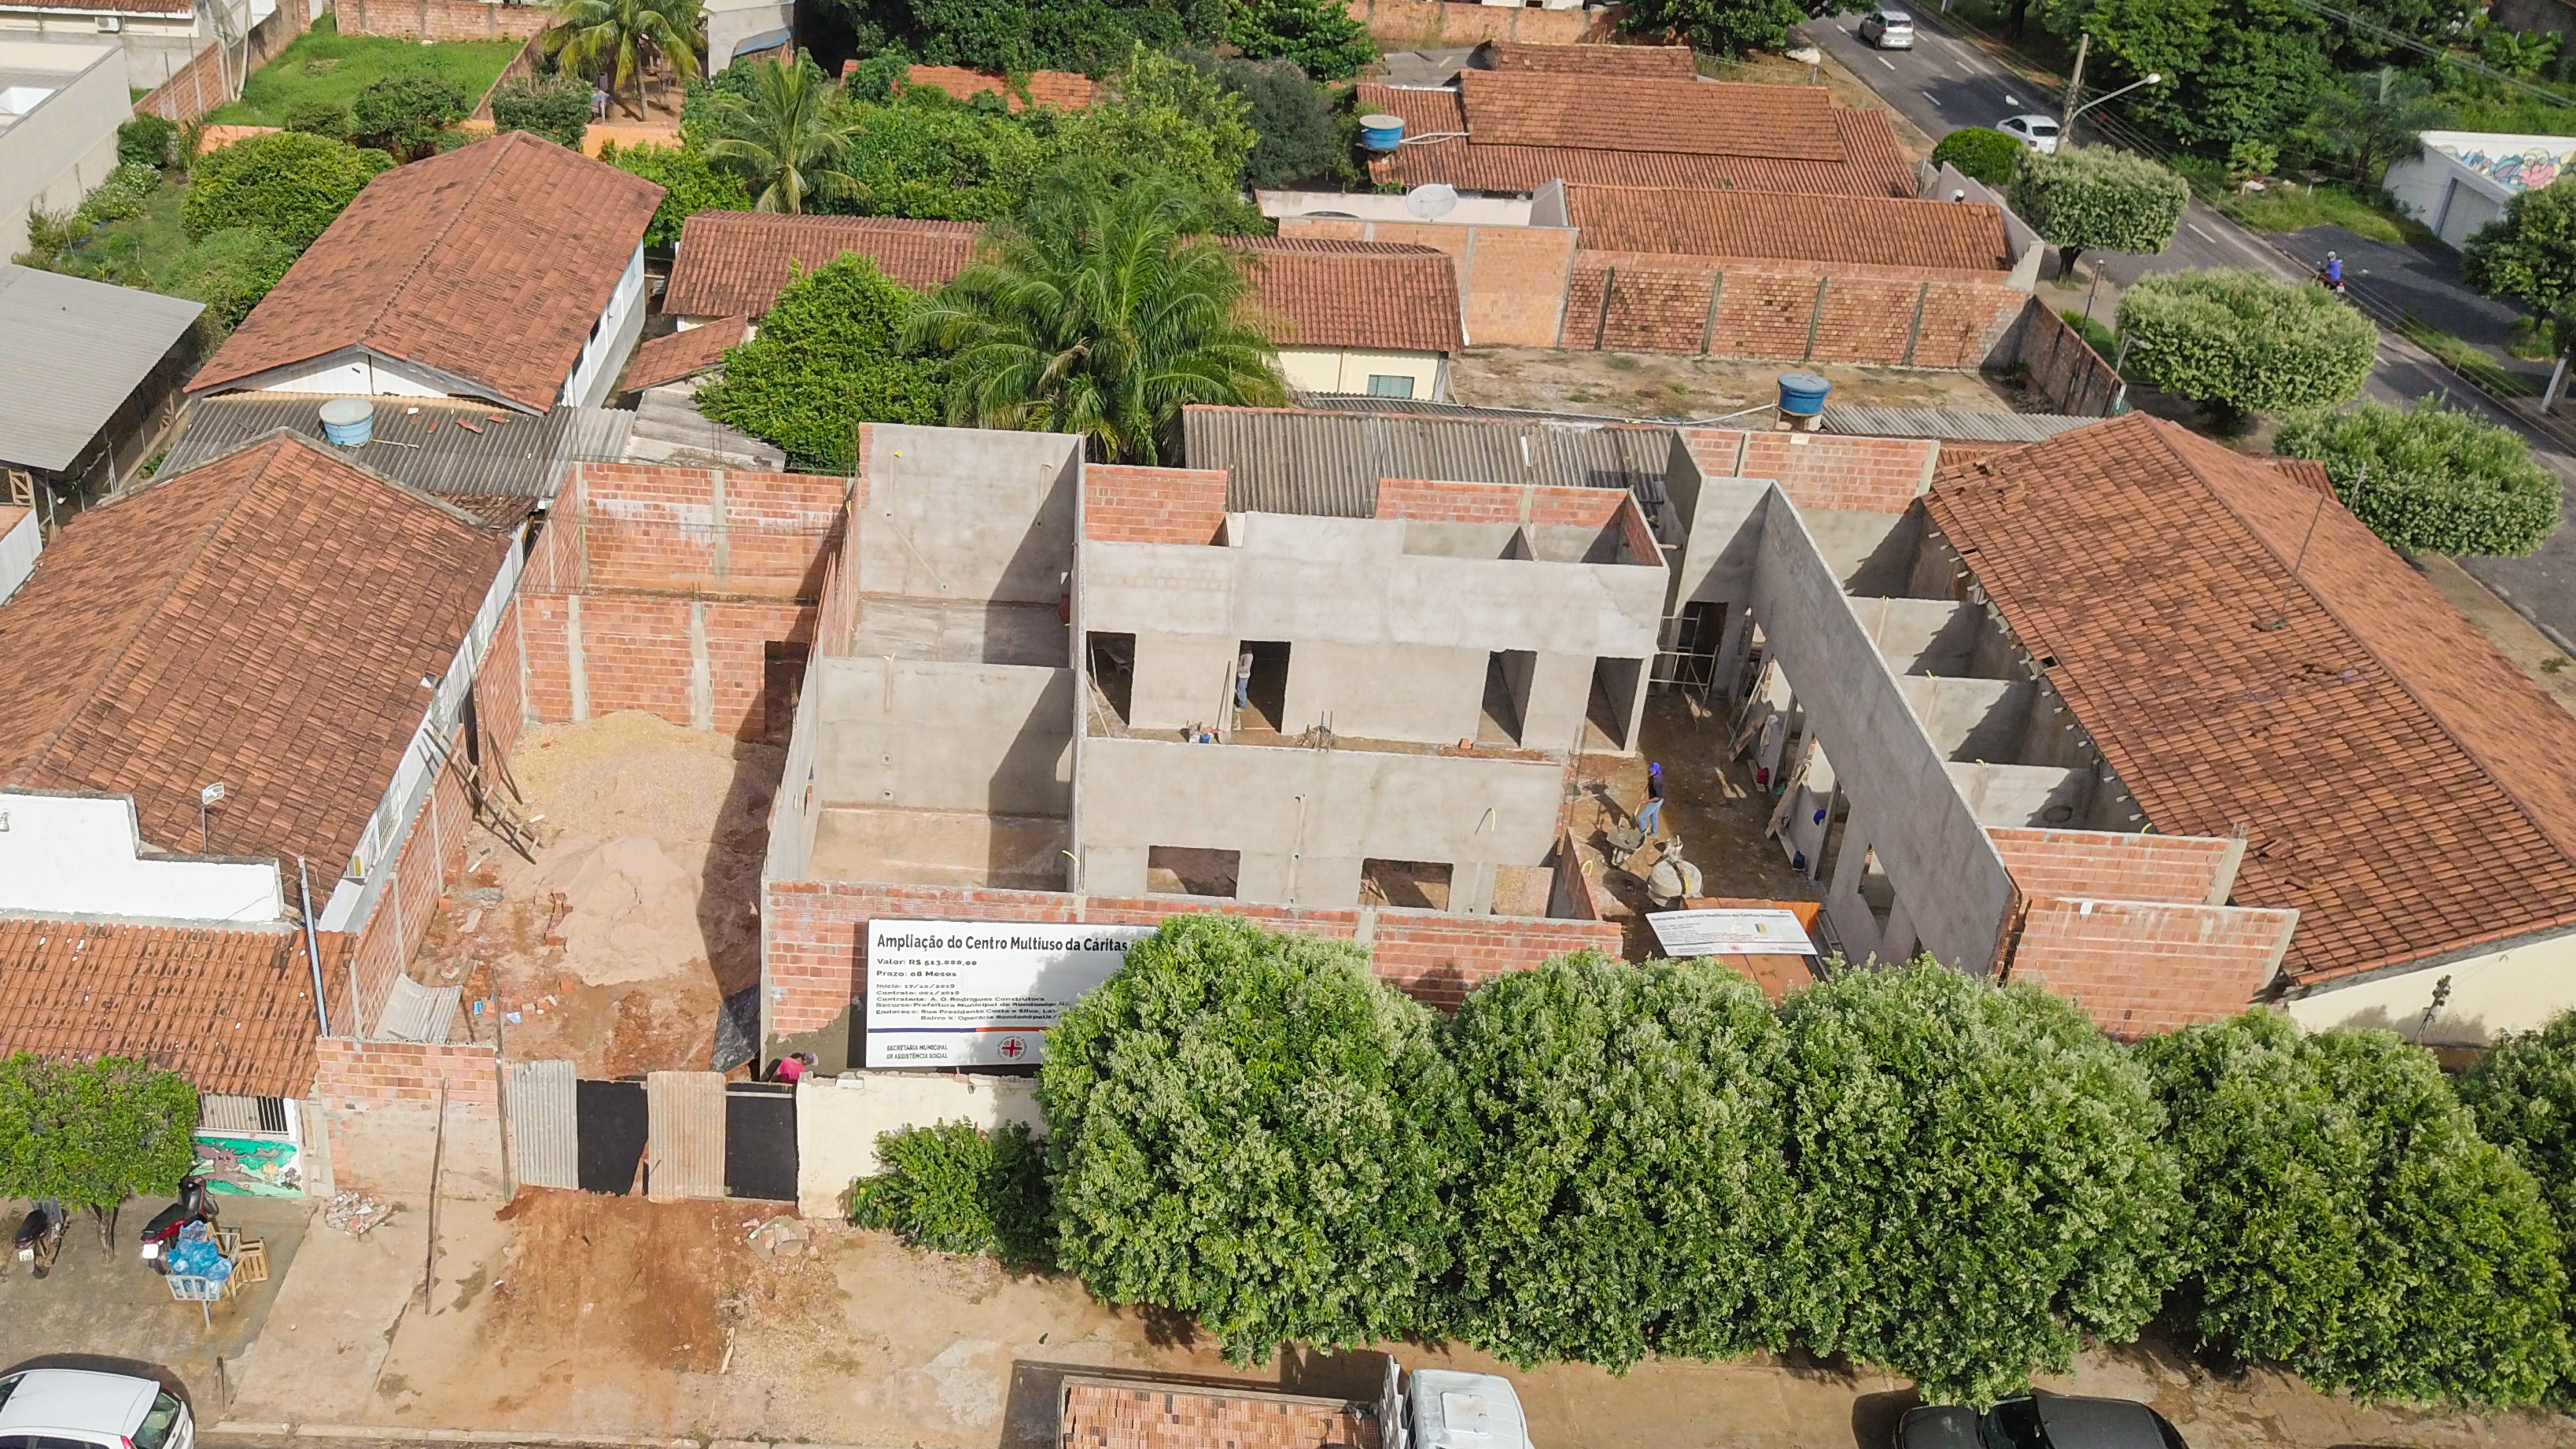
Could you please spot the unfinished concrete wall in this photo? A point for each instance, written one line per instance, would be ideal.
(967, 514)
(1948, 877)
(1971, 719)
(916, 734)
(1305, 819)
(839, 1119)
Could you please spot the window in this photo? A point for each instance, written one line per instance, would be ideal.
(1260, 696)
(156, 1426)
(2015, 1424)
(1382, 385)
(1419, 885)
(1177, 870)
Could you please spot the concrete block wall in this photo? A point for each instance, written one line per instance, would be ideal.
(2102, 865)
(382, 1126)
(1152, 505)
(1821, 472)
(1436, 23)
(428, 20)
(1511, 279)
(700, 530)
(2137, 967)
(2064, 368)
(1793, 311)
(700, 664)
(918, 734)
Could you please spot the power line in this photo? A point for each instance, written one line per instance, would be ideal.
(2411, 43)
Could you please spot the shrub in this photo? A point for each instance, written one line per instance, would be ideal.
(404, 115)
(93, 1133)
(287, 184)
(827, 358)
(318, 117)
(1246, 1127)
(954, 1188)
(1721, 26)
(2529, 254)
(146, 141)
(2092, 198)
(1299, 138)
(2431, 477)
(2349, 1223)
(2241, 342)
(229, 271)
(555, 107)
(1628, 1192)
(121, 195)
(1981, 153)
(690, 184)
(1982, 1176)
(2523, 1092)
(1320, 37)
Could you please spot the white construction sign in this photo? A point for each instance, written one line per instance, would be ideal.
(1731, 931)
(980, 993)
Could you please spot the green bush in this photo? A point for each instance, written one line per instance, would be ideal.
(2349, 1223)
(1320, 37)
(1246, 1127)
(2431, 478)
(2241, 342)
(2529, 254)
(319, 117)
(121, 195)
(2523, 1092)
(287, 184)
(1722, 27)
(1090, 36)
(1299, 134)
(146, 141)
(405, 115)
(690, 184)
(827, 358)
(93, 1133)
(1981, 153)
(229, 271)
(954, 1188)
(1983, 1176)
(1629, 1190)
(2092, 198)
(555, 107)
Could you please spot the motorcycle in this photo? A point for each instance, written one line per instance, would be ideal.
(2332, 284)
(40, 1237)
(195, 1205)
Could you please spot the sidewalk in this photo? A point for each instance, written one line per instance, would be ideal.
(597, 1320)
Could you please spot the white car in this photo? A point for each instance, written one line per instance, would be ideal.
(79, 1409)
(1887, 30)
(2037, 132)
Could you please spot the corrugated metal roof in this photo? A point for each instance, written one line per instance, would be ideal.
(76, 350)
(543, 1141)
(685, 1134)
(1964, 425)
(1288, 460)
(422, 443)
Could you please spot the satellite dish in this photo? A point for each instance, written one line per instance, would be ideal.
(1433, 201)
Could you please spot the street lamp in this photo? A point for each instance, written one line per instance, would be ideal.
(2068, 125)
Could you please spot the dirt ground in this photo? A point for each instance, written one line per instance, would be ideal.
(617, 945)
(1655, 385)
(604, 1317)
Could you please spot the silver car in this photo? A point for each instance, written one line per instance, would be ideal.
(81, 1409)
(1888, 30)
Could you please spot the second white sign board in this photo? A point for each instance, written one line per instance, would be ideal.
(1722, 931)
(980, 993)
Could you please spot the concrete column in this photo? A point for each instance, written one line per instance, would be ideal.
(1113, 870)
(574, 668)
(1471, 887)
(1560, 687)
(702, 681)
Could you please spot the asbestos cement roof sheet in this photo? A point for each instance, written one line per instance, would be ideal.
(1962, 425)
(456, 450)
(71, 352)
(1293, 460)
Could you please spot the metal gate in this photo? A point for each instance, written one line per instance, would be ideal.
(669, 1135)
(685, 1149)
(612, 1125)
(542, 1131)
(760, 1141)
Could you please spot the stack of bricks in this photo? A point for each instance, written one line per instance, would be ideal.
(1111, 1414)
(1822, 471)
(1152, 505)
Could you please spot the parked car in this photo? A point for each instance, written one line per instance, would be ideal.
(2039, 1421)
(1888, 30)
(81, 1409)
(2039, 133)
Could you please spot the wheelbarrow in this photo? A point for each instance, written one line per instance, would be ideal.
(1624, 843)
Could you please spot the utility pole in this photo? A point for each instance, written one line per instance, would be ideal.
(2074, 91)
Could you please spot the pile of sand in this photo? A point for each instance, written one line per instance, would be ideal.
(630, 910)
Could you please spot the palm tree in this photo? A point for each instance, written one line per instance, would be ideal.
(617, 39)
(788, 137)
(1100, 315)
(2376, 118)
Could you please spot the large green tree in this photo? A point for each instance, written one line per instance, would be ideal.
(2239, 341)
(2529, 254)
(2376, 118)
(93, 1134)
(1244, 1126)
(2248, 71)
(828, 357)
(1322, 38)
(1298, 135)
(287, 184)
(2430, 477)
(787, 136)
(1721, 26)
(2349, 1223)
(616, 41)
(1005, 36)
(1629, 1189)
(1984, 1178)
(2523, 1092)
(1098, 315)
(2093, 198)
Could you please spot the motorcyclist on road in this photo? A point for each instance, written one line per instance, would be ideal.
(2334, 270)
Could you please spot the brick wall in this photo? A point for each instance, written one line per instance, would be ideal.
(500, 696)
(814, 941)
(1511, 279)
(2136, 968)
(432, 855)
(442, 19)
(2080, 864)
(1632, 302)
(2064, 368)
(198, 87)
(1415, 23)
(1152, 505)
(1821, 470)
(382, 1129)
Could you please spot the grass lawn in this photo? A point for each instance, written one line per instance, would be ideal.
(322, 64)
(2467, 358)
(134, 252)
(2284, 208)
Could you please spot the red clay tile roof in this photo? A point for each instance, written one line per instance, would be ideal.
(1110, 1414)
(681, 355)
(1529, 130)
(229, 1009)
(735, 263)
(1882, 231)
(1386, 295)
(263, 619)
(490, 264)
(2405, 788)
(1061, 90)
(1663, 62)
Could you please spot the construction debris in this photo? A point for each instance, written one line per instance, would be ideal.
(356, 1214)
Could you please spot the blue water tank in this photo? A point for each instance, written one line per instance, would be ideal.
(1802, 394)
(1381, 132)
(349, 421)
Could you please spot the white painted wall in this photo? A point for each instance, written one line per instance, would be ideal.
(1348, 370)
(2447, 185)
(79, 855)
(51, 156)
(838, 1121)
(610, 337)
(345, 374)
(2517, 987)
(1365, 206)
(20, 541)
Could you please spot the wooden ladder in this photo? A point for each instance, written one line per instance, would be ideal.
(494, 813)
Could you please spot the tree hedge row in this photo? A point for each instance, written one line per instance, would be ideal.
(1598, 1161)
